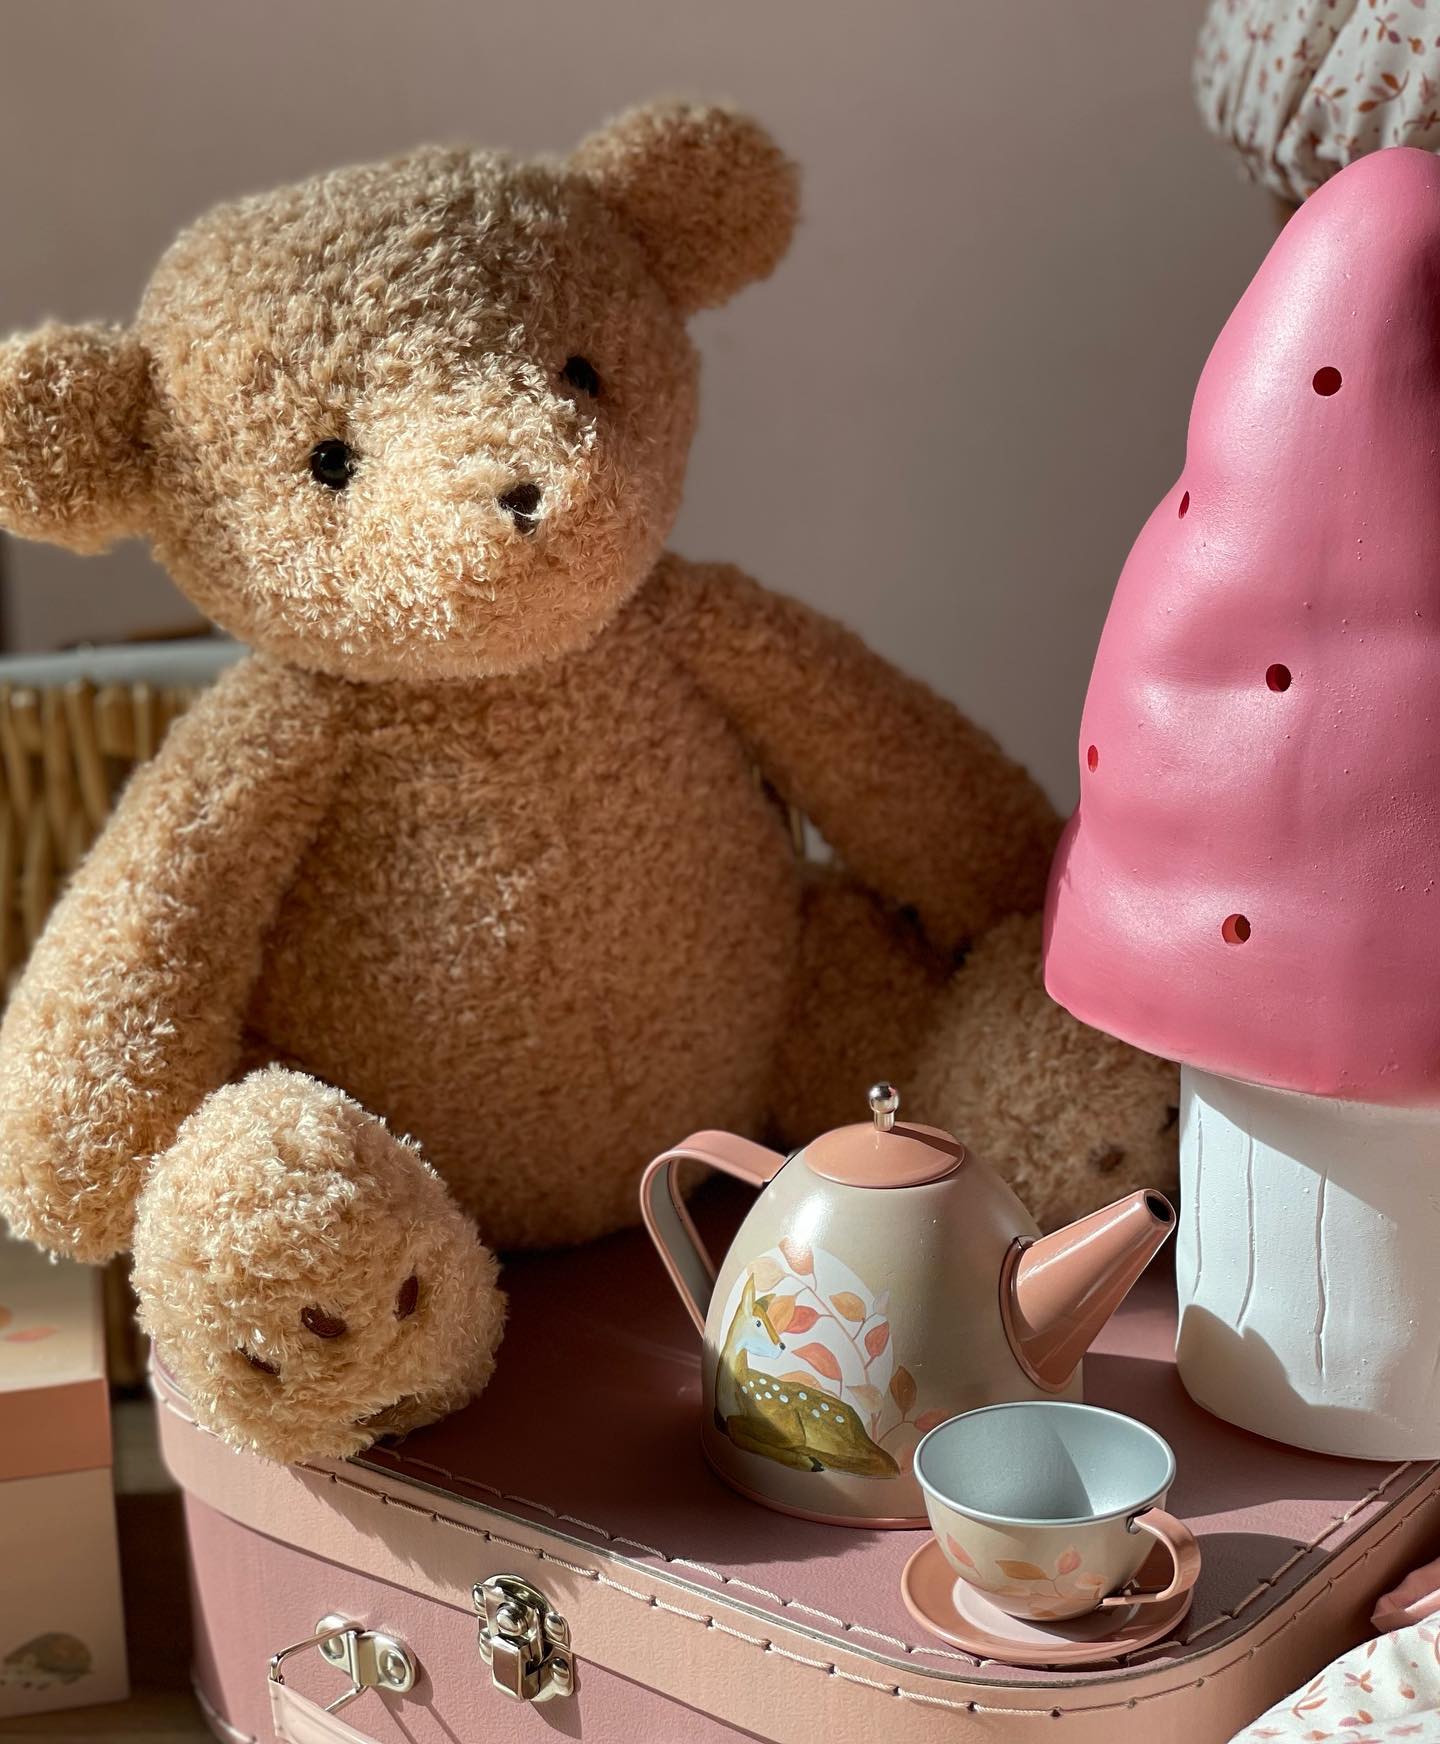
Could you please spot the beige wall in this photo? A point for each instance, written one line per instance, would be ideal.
(944, 419)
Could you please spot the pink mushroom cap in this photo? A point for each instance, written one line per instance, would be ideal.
(1249, 883)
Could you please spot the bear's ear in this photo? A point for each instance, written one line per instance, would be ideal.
(705, 191)
(73, 466)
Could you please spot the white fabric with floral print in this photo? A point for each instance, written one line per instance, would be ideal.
(1300, 87)
(1382, 1690)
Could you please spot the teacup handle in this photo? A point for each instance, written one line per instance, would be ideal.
(1179, 1540)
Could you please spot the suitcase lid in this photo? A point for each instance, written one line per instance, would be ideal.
(580, 1468)
(592, 1425)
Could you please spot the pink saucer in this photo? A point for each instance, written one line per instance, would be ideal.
(966, 1618)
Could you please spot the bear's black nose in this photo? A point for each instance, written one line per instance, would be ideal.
(521, 501)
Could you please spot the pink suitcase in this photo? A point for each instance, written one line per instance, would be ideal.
(557, 1561)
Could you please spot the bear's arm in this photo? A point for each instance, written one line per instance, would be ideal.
(131, 1008)
(915, 799)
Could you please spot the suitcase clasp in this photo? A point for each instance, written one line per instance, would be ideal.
(370, 1660)
(524, 1640)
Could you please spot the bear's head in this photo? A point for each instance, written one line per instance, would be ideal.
(423, 420)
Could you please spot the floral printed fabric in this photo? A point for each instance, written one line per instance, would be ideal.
(1300, 87)
(1385, 1689)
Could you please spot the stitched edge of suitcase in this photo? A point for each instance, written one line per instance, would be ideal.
(1130, 1671)
(404, 1466)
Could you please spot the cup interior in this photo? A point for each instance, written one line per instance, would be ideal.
(1044, 1462)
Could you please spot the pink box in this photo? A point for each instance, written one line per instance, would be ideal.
(62, 1638)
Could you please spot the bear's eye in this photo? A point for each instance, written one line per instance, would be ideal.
(332, 464)
(580, 373)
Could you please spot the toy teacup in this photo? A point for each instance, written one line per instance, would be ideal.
(1050, 1508)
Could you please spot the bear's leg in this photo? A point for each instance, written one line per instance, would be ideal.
(306, 1276)
(1072, 1118)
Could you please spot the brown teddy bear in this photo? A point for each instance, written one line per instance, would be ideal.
(482, 845)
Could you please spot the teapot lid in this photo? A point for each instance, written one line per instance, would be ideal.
(878, 1153)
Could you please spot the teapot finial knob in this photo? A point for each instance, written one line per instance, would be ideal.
(884, 1100)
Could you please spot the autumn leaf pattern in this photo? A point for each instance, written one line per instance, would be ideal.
(959, 1552)
(799, 1256)
(849, 1351)
(1046, 1592)
(820, 1358)
(767, 1273)
(1020, 1571)
(788, 1314)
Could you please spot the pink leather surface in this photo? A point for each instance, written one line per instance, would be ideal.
(1303, 535)
(591, 1427)
(254, 1597)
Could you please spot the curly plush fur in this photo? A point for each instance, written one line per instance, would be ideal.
(483, 840)
(278, 1196)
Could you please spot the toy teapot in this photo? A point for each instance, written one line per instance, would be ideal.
(885, 1280)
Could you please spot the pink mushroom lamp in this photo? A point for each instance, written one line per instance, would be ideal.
(1251, 883)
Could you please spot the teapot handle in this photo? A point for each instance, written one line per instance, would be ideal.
(690, 1267)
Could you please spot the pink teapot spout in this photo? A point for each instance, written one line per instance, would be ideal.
(1059, 1291)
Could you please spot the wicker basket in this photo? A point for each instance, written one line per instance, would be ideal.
(72, 727)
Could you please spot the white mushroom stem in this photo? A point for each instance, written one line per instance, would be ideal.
(1308, 1265)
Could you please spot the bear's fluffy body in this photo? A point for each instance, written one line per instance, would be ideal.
(486, 845)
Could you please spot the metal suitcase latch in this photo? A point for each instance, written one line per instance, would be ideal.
(524, 1640)
(369, 1659)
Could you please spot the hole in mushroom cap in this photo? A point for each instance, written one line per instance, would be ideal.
(1092, 757)
(1235, 930)
(1184, 505)
(1326, 381)
(1277, 677)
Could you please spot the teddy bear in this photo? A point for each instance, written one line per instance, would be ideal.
(472, 887)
